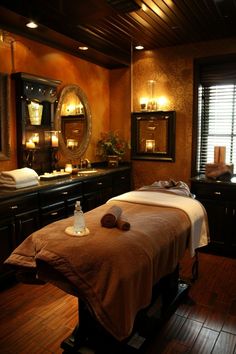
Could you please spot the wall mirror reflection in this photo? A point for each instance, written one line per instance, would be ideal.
(153, 135)
(73, 120)
(4, 117)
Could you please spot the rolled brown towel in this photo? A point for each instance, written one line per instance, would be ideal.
(122, 223)
(110, 218)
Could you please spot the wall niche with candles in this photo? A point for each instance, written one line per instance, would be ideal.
(37, 139)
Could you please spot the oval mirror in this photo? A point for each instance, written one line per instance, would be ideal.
(73, 121)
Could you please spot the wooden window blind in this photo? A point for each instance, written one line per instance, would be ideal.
(216, 113)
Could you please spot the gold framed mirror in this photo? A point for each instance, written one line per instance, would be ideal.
(73, 121)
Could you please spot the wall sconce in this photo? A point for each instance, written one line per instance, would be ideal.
(150, 145)
(35, 112)
(162, 102)
(152, 103)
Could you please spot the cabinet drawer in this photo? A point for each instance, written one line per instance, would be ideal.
(214, 191)
(52, 213)
(59, 193)
(96, 184)
(121, 182)
(18, 205)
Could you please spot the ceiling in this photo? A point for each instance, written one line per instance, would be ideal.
(111, 28)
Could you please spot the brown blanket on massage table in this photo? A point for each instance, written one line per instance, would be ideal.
(111, 270)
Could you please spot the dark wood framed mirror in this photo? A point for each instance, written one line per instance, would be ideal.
(153, 136)
(4, 117)
(73, 121)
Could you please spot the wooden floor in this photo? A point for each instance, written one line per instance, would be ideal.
(35, 319)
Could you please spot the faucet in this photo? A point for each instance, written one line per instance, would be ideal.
(85, 163)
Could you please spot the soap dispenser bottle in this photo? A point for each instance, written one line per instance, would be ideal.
(79, 223)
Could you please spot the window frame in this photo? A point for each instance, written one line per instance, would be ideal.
(197, 65)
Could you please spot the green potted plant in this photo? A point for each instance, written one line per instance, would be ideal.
(111, 147)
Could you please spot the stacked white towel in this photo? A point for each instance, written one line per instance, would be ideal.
(19, 178)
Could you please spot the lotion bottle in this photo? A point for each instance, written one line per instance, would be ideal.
(79, 223)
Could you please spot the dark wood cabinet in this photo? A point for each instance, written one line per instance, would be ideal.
(219, 200)
(121, 182)
(58, 202)
(19, 218)
(96, 191)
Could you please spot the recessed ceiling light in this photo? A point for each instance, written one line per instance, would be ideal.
(31, 24)
(139, 47)
(83, 48)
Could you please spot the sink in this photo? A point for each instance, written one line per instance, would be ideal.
(87, 172)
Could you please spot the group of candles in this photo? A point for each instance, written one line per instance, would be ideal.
(34, 140)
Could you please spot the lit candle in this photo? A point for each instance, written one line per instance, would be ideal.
(35, 138)
(70, 143)
(54, 140)
(68, 168)
(150, 145)
(30, 144)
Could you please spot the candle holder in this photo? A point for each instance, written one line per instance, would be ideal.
(30, 157)
(54, 157)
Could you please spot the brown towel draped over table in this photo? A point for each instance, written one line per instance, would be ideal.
(111, 271)
(110, 218)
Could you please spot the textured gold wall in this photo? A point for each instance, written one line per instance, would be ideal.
(113, 94)
(172, 69)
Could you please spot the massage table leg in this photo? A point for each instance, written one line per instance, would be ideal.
(195, 267)
(167, 295)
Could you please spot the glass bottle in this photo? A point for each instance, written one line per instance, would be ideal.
(79, 222)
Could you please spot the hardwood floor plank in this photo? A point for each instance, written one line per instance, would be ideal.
(189, 332)
(216, 316)
(199, 313)
(230, 324)
(205, 341)
(226, 343)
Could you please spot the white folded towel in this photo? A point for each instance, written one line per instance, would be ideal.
(8, 186)
(19, 177)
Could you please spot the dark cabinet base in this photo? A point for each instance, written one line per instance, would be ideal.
(219, 200)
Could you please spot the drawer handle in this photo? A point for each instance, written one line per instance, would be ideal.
(64, 193)
(99, 183)
(54, 213)
(13, 207)
(217, 193)
(123, 177)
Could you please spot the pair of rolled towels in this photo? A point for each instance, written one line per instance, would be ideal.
(113, 217)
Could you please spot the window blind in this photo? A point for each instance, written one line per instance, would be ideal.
(216, 113)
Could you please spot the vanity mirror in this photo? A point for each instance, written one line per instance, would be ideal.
(73, 121)
(4, 117)
(153, 136)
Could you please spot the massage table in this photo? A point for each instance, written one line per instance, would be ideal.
(121, 278)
